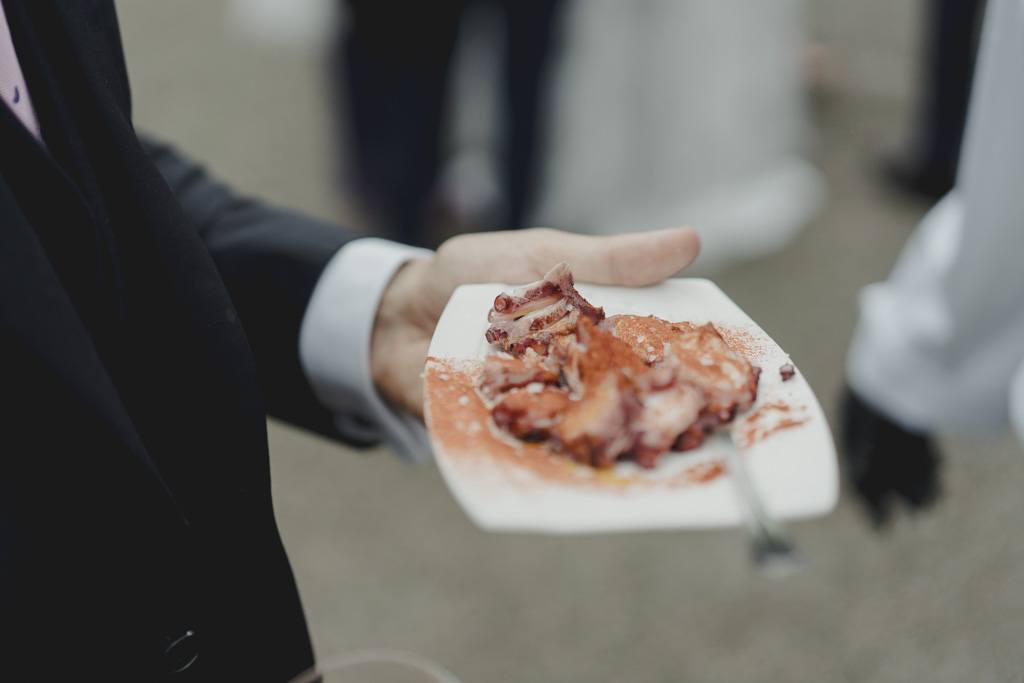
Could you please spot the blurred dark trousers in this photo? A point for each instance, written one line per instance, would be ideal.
(951, 35)
(396, 58)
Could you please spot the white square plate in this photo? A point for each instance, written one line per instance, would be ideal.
(506, 485)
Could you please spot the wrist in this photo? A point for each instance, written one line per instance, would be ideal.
(401, 334)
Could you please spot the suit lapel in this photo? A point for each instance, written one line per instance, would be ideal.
(84, 255)
(179, 359)
(59, 269)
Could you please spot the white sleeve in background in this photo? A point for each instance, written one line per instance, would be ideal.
(334, 345)
(938, 342)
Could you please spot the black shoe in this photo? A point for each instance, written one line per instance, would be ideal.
(885, 463)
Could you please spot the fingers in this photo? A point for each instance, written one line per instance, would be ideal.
(635, 259)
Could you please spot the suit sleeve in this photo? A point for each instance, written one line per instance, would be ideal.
(270, 260)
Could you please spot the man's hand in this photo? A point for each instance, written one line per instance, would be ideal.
(413, 302)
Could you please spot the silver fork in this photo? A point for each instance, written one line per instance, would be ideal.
(773, 554)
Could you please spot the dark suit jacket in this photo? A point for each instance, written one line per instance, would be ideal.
(148, 322)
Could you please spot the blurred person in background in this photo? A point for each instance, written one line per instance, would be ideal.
(662, 109)
(150, 320)
(395, 63)
(939, 346)
(926, 164)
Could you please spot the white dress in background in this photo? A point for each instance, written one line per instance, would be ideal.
(670, 112)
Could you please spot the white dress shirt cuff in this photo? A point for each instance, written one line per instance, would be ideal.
(334, 346)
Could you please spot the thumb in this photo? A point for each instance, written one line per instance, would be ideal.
(633, 259)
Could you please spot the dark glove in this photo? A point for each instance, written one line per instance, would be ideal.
(885, 463)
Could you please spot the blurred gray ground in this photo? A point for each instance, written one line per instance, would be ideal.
(385, 558)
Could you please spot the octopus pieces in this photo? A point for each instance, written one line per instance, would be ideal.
(599, 389)
(534, 315)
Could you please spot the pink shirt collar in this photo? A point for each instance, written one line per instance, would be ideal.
(13, 89)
